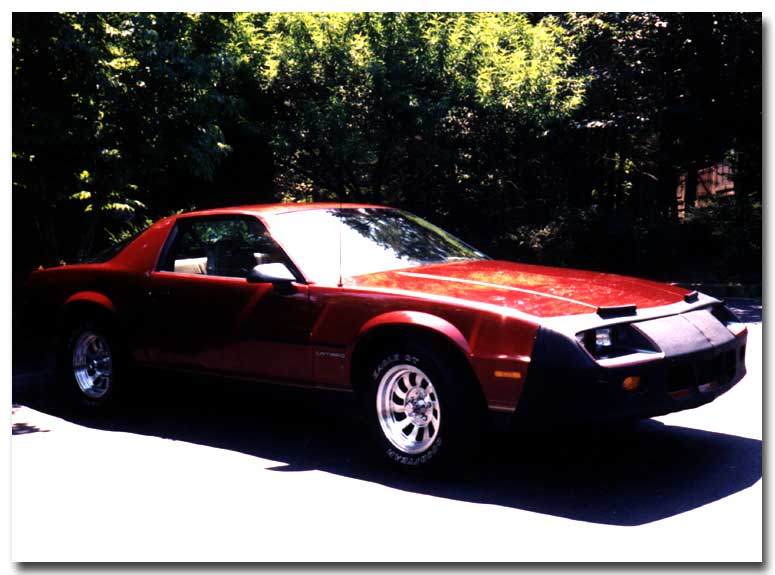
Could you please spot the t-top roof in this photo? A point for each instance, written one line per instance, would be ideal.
(274, 209)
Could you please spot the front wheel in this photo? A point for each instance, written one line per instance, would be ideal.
(408, 409)
(421, 407)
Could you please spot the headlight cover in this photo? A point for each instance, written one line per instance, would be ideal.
(615, 341)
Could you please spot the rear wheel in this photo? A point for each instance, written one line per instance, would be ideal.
(89, 364)
(421, 407)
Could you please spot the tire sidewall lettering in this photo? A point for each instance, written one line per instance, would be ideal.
(415, 460)
(391, 359)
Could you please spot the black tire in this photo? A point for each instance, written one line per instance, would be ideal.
(461, 410)
(107, 390)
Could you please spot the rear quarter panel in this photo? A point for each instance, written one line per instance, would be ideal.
(117, 292)
(117, 286)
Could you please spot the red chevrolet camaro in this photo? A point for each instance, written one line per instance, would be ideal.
(429, 332)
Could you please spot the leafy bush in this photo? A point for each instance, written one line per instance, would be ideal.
(719, 242)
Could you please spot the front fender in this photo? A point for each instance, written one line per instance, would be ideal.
(418, 319)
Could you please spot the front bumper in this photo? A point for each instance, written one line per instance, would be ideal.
(565, 386)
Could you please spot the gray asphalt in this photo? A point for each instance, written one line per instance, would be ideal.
(202, 470)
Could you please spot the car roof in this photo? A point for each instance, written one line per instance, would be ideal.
(274, 209)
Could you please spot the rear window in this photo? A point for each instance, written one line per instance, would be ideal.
(111, 251)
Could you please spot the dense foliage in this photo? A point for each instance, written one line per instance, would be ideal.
(542, 137)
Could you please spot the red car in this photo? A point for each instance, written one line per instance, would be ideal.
(432, 334)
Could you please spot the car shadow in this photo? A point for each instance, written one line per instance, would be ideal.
(615, 475)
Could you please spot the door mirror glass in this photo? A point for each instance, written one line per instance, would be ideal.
(275, 273)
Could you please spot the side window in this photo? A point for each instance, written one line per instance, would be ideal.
(226, 247)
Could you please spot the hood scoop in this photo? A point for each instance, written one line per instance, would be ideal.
(607, 312)
(692, 297)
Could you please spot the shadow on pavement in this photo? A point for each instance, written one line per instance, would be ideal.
(616, 475)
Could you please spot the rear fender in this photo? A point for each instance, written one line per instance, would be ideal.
(94, 300)
(92, 297)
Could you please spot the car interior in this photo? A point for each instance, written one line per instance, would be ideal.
(232, 253)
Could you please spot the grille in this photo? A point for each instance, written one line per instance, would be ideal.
(719, 368)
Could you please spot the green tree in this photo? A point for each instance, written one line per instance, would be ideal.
(396, 107)
(562, 133)
(120, 106)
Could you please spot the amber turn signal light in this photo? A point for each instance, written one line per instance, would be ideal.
(631, 383)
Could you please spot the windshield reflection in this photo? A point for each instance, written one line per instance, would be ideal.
(372, 240)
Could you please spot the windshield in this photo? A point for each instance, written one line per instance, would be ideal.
(372, 240)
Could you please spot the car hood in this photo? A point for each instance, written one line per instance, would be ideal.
(535, 290)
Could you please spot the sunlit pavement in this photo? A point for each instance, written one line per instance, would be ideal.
(202, 473)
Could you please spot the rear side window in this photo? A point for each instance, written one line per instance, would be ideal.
(226, 247)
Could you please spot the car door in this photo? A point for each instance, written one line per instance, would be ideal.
(206, 315)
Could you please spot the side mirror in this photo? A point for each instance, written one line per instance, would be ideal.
(276, 273)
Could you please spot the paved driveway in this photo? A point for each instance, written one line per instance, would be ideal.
(208, 471)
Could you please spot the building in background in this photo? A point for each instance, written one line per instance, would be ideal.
(715, 180)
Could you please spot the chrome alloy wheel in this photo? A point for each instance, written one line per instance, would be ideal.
(408, 409)
(92, 364)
